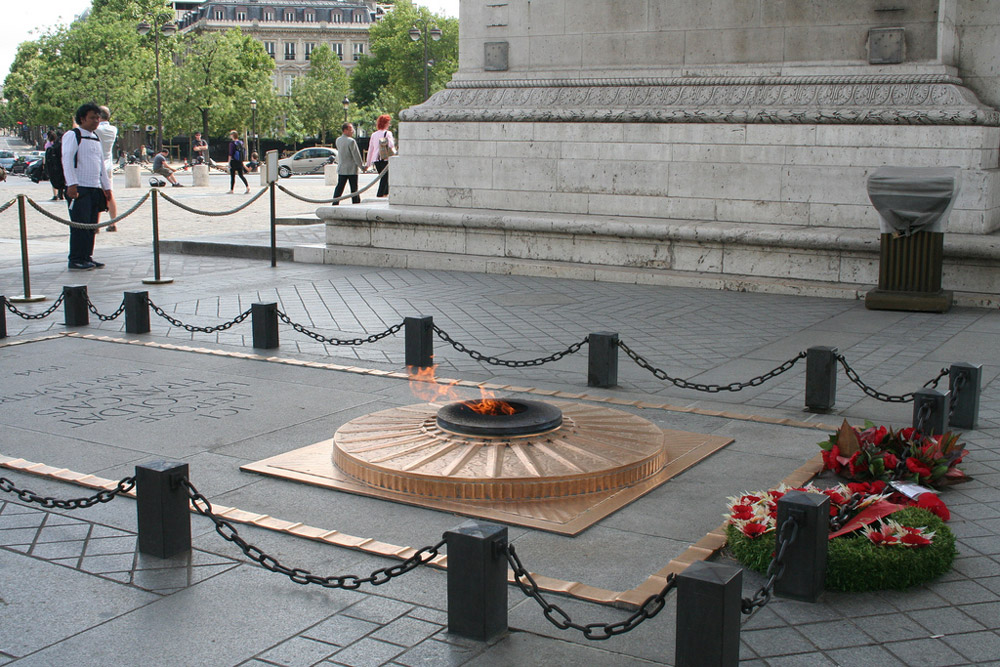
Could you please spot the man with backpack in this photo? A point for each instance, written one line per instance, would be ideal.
(88, 188)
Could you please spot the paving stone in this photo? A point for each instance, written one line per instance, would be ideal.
(777, 641)
(949, 621)
(366, 653)
(834, 634)
(341, 630)
(298, 652)
(979, 647)
(378, 609)
(988, 614)
(406, 631)
(925, 653)
(865, 656)
(433, 653)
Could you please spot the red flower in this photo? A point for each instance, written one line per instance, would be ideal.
(915, 540)
(890, 461)
(835, 498)
(878, 486)
(907, 433)
(876, 537)
(860, 487)
(754, 529)
(742, 512)
(749, 500)
(855, 467)
(830, 460)
(917, 467)
(932, 503)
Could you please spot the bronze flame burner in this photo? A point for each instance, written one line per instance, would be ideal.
(529, 418)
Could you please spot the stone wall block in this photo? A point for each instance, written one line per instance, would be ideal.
(783, 135)
(766, 212)
(548, 202)
(695, 257)
(348, 232)
(506, 131)
(758, 261)
(524, 175)
(713, 14)
(831, 185)
(730, 181)
(530, 150)
(558, 51)
(733, 45)
(656, 206)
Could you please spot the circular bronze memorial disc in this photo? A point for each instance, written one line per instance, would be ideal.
(404, 450)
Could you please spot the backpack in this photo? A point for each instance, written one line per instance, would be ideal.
(79, 140)
(238, 150)
(383, 147)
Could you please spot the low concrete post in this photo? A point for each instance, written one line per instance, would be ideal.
(330, 174)
(935, 403)
(477, 580)
(821, 378)
(965, 400)
(805, 557)
(137, 312)
(419, 341)
(708, 615)
(75, 309)
(162, 509)
(133, 176)
(3, 316)
(200, 174)
(264, 318)
(602, 359)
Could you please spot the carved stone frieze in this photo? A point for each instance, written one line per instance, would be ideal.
(888, 100)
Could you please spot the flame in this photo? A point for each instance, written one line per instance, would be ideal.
(427, 387)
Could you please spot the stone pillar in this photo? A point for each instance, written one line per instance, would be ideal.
(330, 174)
(133, 176)
(200, 172)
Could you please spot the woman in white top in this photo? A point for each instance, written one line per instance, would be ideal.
(379, 152)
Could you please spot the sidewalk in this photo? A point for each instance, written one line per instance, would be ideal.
(74, 591)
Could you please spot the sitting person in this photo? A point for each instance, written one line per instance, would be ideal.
(160, 167)
(254, 162)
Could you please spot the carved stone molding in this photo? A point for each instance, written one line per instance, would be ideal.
(872, 100)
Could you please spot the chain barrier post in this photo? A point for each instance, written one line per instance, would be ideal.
(419, 333)
(805, 554)
(930, 411)
(264, 323)
(162, 509)
(708, 616)
(25, 277)
(3, 316)
(477, 580)
(602, 359)
(75, 311)
(157, 279)
(965, 384)
(274, 227)
(137, 312)
(821, 378)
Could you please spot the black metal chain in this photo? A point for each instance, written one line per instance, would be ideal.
(786, 536)
(956, 390)
(105, 318)
(710, 388)
(339, 341)
(496, 361)
(840, 519)
(102, 496)
(37, 316)
(594, 631)
(300, 576)
(882, 396)
(188, 327)
(923, 414)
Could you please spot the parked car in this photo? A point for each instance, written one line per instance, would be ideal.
(7, 159)
(22, 163)
(307, 161)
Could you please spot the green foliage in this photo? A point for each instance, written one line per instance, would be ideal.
(396, 63)
(316, 95)
(855, 564)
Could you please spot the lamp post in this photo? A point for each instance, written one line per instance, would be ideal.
(255, 144)
(347, 105)
(435, 34)
(167, 27)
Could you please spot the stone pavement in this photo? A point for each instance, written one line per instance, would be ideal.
(74, 591)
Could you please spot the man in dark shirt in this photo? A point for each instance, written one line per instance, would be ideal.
(160, 167)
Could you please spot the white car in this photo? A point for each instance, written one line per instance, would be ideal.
(307, 161)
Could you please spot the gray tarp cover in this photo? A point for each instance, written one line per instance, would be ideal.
(913, 199)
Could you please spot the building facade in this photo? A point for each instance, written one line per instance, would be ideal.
(291, 29)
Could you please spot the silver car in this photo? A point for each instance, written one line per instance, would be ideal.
(7, 159)
(307, 161)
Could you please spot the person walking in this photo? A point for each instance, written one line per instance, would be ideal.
(237, 151)
(381, 146)
(108, 133)
(53, 165)
(88, 189)
(348, 163)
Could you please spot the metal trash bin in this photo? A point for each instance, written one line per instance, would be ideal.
(913, 204)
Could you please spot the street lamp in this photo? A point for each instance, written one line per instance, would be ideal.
(167, 27)
(435, 34)
(347, 105)
(253, 127)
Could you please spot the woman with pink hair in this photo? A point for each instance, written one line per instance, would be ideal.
(381, 146)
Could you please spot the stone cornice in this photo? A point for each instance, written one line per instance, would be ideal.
(871, 100)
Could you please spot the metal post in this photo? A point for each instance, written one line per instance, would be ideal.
(930, 411)
(274, 226)
(602, 359)
(965, 384)
(805, 556)
(157, 279)
(821, 378)
(25, 277)
(162, 509)
(477, 580)
(3, 316)
(708, 615)
(137, 312)
(264, 320)
(419, 341)
(75, 310)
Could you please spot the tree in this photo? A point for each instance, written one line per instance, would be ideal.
(315, 95)
(396, 65)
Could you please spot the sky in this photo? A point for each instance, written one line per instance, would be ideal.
(35, 16)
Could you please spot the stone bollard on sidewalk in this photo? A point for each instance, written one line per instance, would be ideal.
(133, 175)
(330, 174)
(200, 172)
